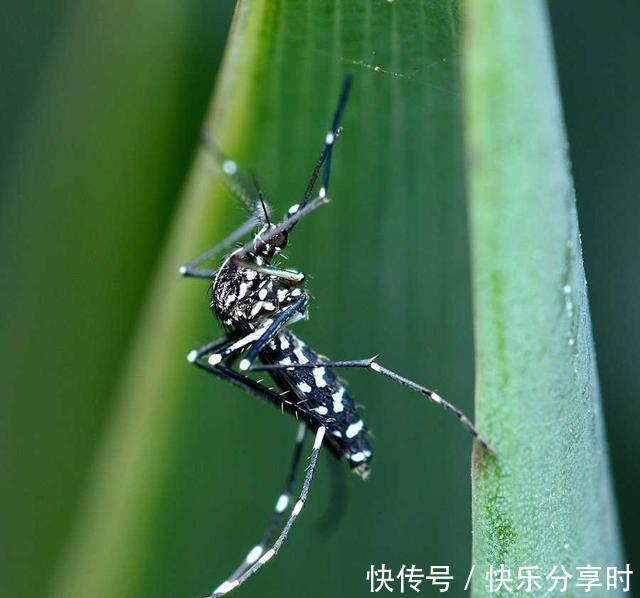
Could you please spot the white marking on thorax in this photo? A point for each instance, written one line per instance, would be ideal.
(230, 299)
(224, 264)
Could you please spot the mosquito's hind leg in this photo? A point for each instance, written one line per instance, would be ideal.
(232, 583)
(258, 556)
(374, 366)
(282, 504)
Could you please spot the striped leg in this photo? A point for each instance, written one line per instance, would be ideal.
(249, 195)
(219, 343)
(232, 583)
(278, 323)
(282, 504)
(256, 340)
(236, 181)
(374, 366)
(300, 210)
(255, 387)
(192, 269)
(257, 557)
(227, 350)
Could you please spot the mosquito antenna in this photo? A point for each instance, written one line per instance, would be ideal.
(261, 197)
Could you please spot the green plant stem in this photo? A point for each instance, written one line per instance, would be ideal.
(547, 498)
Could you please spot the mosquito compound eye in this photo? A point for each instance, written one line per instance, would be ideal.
(280, 240)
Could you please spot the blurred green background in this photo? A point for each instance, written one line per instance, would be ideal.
(101, 108)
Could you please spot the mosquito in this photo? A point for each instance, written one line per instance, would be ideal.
(256, 302)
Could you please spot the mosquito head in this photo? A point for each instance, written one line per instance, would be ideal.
(272, 245)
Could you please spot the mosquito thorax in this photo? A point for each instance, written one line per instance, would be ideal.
(246, 294)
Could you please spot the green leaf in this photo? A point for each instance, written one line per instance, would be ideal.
(186, 477)
(546, 499)
(100, 145)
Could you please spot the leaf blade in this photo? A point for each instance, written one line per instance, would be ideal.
(547, 498)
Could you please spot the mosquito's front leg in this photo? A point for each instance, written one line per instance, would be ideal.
(211, 346)
(191, 269)
(278, 322)
(256, 340)
(219, 352)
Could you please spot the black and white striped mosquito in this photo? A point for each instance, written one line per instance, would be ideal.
(256, 302)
